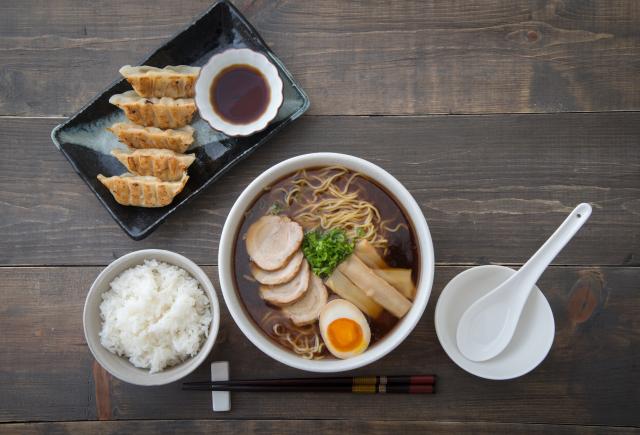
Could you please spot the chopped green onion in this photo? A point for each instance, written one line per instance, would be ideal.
(324, 251)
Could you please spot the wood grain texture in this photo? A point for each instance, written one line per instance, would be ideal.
(353, 58)
(295, 427)
(590, 376)
(102, 392)
(45, 367)
(492, 188)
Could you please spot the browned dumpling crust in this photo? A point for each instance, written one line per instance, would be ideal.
(163, 164)
(170, 81)
(137, 136)
(142, 191)
(155, 112)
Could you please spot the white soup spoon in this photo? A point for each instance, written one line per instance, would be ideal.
(487, 326)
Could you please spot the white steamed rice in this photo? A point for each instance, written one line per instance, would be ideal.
(155, 314)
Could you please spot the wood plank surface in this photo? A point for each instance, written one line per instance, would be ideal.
(493, 181)
(353, 58)
(589, 378)
(295, 427)
(491, 187)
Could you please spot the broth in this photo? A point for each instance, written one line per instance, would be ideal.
(240, 94)
(401, 251)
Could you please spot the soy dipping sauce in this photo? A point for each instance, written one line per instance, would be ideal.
(240, 94)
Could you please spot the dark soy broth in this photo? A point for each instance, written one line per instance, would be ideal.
(402, 249)
(240, 94)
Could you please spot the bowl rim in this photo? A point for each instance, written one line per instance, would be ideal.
(265, 66)
(425, 248)
(187, 366)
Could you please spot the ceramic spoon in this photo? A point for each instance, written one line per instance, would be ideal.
(487, 326)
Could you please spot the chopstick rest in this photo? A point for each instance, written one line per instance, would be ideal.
(221, 400)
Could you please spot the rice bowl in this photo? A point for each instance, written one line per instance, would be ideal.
(120, 366)
(154, 314)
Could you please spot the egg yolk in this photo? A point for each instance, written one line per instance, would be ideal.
(344, 334)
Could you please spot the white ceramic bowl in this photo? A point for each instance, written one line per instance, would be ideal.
(530, 343)
(423, 238)
(220, 61)
(120, 367)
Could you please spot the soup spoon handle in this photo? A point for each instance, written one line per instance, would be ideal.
(530, 272)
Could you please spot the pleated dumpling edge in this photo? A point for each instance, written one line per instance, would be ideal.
(170, 81)
(142, 191)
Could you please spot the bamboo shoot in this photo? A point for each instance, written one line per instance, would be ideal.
(369, 256)
(346, 289)
(375, 287)
(400, 279)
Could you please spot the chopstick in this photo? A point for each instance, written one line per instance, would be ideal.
(341, 380)
(420, 384)
(358, 389)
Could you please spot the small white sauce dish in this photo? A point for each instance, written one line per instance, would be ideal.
(225, 59)
(226, 263)
(120, 367)
(533, 336)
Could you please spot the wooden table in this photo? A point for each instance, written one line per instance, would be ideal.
(499, 117)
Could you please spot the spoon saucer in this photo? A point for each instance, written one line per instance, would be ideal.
(531, 341)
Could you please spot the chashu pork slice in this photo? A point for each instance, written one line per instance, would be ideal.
(280, 276)
(307, 309)
(272, 241)
(289, 292)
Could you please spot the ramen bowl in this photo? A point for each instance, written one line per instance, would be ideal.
(401, 197)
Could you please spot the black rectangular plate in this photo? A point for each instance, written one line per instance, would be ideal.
(87, 145)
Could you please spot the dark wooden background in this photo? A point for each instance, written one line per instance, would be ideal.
(499, 116)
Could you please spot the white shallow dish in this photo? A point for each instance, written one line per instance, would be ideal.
(413, 213)
(220, 61)
(120, 367)
(533, 337)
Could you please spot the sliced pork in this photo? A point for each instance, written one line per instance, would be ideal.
(280, 276)
(272, 240)
(307, 309)
(290, 292)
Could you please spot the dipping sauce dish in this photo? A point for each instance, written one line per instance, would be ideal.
(239, 92)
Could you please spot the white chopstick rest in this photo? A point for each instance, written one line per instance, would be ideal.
(221, 399)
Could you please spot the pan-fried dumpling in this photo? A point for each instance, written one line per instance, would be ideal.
(155, 112)
(136, 136)
(170, 81)
(142, 191)
(164, 164)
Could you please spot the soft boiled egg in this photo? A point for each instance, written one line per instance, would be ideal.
(344, 329)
